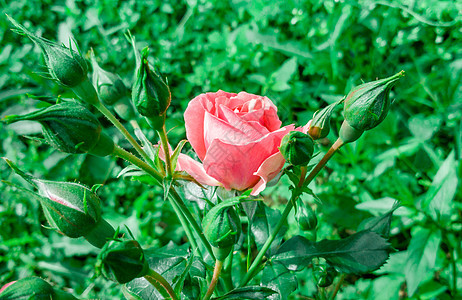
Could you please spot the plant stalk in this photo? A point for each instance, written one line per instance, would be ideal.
(213, 283)
(160, 284)
(123, 130)
(176, 198)
(252, 270)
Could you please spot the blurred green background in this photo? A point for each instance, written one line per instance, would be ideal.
(303, 55)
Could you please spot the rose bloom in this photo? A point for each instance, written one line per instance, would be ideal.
(236, 136)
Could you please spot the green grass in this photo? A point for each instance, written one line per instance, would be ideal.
(301, 54)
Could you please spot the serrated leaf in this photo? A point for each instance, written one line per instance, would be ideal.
(278, 278)
(248, 292)
(194, 193)
(422, 251)
(262, 221)
(361, 252)
(169, 261)
(381, 224)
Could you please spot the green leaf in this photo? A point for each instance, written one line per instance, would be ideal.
(422, 252)
(248, 292)
(170, 261)
(362, 252)
(381, 224)
(439, 197)
(280, 279)
(262, 221)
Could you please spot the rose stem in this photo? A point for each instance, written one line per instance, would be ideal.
(213, 283)
(227, 270)
(250, 274)
(160, 283)
(337, 287)
(177, 203)
(165, 145)
(123, 130)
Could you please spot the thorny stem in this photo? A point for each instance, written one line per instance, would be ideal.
(123, 130)
(252, 270)
(213, 283)
(160, 284)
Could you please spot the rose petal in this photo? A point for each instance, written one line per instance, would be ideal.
(194, 118)
(252, 129)
(234, 165)
(219, 129)
(195, 169)
(268, 170)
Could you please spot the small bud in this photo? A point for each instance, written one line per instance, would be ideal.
(71, 208)
(320, 125)
(324, 275)
(65, 65)
(297, 148)
(305, 216)
(367, 105)
(150, 93)
(71, 128)
(222, 228)
(123, 261)
(109, 86)
(28, 288)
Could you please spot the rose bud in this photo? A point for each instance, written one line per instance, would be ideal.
(297, 148)
(28, 288)
(32, 288)
(305, 216)
(71, 128)
(65, 65)
(71, 208)
(122, 261)
(366, 106)
(222, 228)
(109, 86)
(320, 124)
(150, 93)
(324, 275)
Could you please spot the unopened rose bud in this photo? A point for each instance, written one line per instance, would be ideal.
(70, 127)
(305, 216)
(324, 275)
(28, 288)
(222, 228)
(297, 148)
(109, 86)
(65, 65)
(71, 208)
(320, 124)
(122, 261)
(150, 93)
(32, 288)
(366, 106)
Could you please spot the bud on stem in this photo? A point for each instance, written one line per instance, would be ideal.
(65, 66)
(366, 106)
(71, 128)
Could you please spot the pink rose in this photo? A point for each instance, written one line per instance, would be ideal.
(236, 136)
